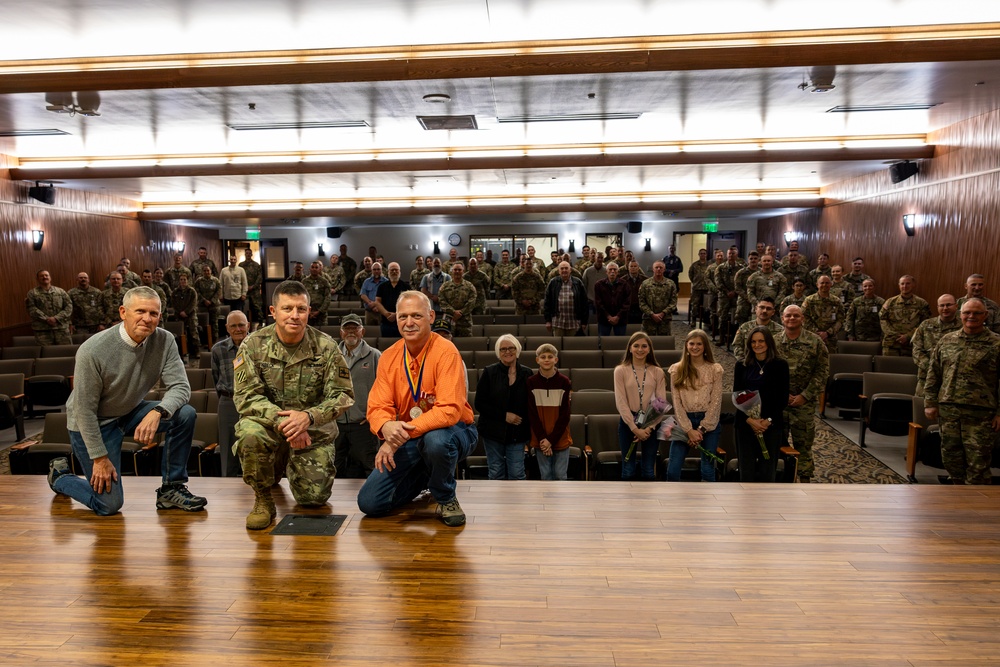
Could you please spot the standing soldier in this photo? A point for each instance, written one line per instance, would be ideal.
(766, 282)
(111, 300)
(796, 298)
(528, 289)
(674, 266)
(713, 290)
(255, 280)
(458, 299)
(657, 300)
(209, 291)
(336, 277)
(793, 268)
(863, 315)
(364, 274)
(975, 286)
(900, 316)
(808, 370)
(159, 282)
(350, 270)
(765, 313)
(319, 294)
(198, 265)
(173, 274)
(290, 385)
(417, 274)
(452, 260)
(927, 335)
(484, 267)
(841, 290)
(698, 274)
(857, 276)
(88, 316)
(503, 275)
(793, 246)
(147, 281)
(50, 310)
(184, 301)
(481, 282)
(584, 262)
(740, 283)
(725, 285)
(822, 269)
(823, 314)
(961, 393)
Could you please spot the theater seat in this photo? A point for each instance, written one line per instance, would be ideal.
(886, 404)
(602, 452)
(12, 403)
(33, 458)
(50, 384)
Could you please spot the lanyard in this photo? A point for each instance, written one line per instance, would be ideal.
(642, 387)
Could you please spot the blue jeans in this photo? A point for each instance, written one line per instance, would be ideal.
(176, 450)
(678, 450)
(553, 467)
(649, 449)
(427, 462)
(604, 329)
(505, 461)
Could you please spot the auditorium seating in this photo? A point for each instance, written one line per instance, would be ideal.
(886, 404)
(12, 403)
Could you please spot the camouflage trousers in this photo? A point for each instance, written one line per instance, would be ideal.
(191, 332)
(696, 304)
(527, 310)
(462, 328)
(802, 427)
(742, 310)
(310, 471)
(896, 351)
(725, 308)
(967, 440)
(52, 336)
(256, 306)
(91, 328)
(213, 321)
(656, 328)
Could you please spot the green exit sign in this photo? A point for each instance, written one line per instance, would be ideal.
(709, 227)
(253, 235)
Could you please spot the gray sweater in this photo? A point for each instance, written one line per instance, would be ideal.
(364, 366)
(111, 378)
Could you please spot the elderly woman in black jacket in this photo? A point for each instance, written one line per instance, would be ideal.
(502, 403)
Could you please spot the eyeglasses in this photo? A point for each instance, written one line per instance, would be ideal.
(507, 350)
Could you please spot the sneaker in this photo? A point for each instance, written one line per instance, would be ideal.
(57, 468)
(177, 496)
(451, 513)
(263, 511)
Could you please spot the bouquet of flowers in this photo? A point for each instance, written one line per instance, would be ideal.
(748, 402)
(672, 431)
(651, 416)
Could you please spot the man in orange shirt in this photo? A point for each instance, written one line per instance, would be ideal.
(418, 407)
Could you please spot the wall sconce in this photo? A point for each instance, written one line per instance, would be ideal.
(437, 249)
(37, 239)
(910, 223)
(789, 237)
(179, 246)
(649, 245)
(572, 245)
(321, 253)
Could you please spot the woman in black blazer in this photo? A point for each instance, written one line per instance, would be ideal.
(502, 402)
(761, 371)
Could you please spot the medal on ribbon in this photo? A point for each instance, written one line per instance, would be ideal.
(415, 411)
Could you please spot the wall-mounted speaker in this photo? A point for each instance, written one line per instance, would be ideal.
(334, 232)
(635, 227)
(43, 193)
(901, 171)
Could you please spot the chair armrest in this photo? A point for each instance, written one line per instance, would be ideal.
(210, 448)
(789, 451)
(912, 439)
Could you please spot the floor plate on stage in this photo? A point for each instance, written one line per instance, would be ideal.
(310, 524)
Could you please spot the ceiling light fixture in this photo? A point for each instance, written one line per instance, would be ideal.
(437, 98)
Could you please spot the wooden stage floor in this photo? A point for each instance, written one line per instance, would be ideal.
(566, 574)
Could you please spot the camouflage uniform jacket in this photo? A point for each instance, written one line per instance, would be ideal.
(963, 370)
(197, 265)
(336, 277)
(657, 297)
(172, 275)
(856, 280)
(901, 316)
(110, 303)
(350, 266)
(540, 266)
(184, 300)
(926, 337)
(808, 363)
(740, 280)
(552, 273)
(863, 319)
(698, 273)
(528, 286)
(52, 303)
(254, 274)
(712, 269)
(743, 335)
(208, 289)
(503, 274)
(481, 282)
(319, 292)
(843, 292)
(801, 271)
(163, 297)
(725, 278)
(269, 378)
(814, 276)
(87, 310)
(992, 312)
(163, 287)
(487, 268)
(582, 264)
(762, 284)
(416, 275)
(360, 277)
(823, 314)
(458, 296)
(790, 300)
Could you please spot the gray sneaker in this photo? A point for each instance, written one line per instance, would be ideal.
(57, 468)
(177, 496)
(451, 513)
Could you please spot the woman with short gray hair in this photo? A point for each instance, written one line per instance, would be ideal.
(502, 403)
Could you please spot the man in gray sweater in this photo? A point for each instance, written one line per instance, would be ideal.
(114, 371)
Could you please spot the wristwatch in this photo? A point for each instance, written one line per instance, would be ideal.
(701, 429)
(769, 420)
(163, 413)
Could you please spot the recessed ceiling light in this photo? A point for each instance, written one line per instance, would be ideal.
(437, 98)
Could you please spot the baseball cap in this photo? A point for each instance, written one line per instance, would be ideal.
(351, 319)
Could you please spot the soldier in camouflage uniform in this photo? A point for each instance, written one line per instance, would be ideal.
(318, 288)
(50, 310)
(975, 286)
(417, 274)
(298, 272)
(857, 276)
(290, 384)
(458, 300)
(130, 275)
(765, 313)
(900, 316)
(713, 291)
(961, 392)
(184, 301)
(484, 267)
(793, 246)
(823, 314)
(127, 282)
(841, 290)
(255, 280)
(740, 283)
(584, 262)
(766, 282)
(111, 301)
(452, 261)
(700, 286)
(927, 335)
(350, 270)
(863, 315)
(796, 298)
(335, 275)
(209, 291)
(160, 282)
(481, 282)
(822, 269)
(793, 268)
(364, 274)
(528, 290)
(147, 281)
(808, 371)
(173, 274)
(199, 264)
(88, 316)
(503, 276)
(657, 300)
(538, 261)
(725, 285)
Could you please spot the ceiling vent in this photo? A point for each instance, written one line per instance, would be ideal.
(568, 117)
(853, 108)
(316, 125)
(32, 133)
(448, 122)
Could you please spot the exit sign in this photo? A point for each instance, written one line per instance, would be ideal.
(709, 227)
(253, 235)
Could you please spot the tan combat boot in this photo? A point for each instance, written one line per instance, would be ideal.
(263, 511)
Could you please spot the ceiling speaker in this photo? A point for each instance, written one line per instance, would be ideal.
(334, 232)
(901, 171)
(43, 193)
(635, 227)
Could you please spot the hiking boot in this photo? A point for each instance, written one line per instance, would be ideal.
(451, 513)
(177, 496)
(57, 468)
(263, 511)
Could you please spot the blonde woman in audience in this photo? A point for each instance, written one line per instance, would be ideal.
(638, 379)
(696, 393)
